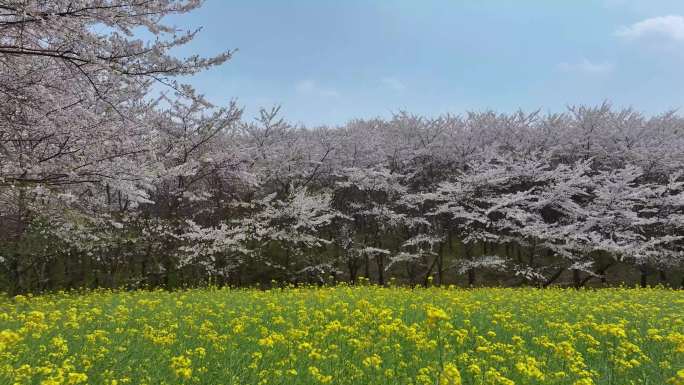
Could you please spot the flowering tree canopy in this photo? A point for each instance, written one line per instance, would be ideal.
(105, 180)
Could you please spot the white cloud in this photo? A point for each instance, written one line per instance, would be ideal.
(393, 83)
(310, 87)
(669, 27)
(587, 66)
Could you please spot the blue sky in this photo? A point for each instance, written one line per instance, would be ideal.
(326, 62)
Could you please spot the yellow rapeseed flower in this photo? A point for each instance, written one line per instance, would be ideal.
(450, 375)
(435, 314)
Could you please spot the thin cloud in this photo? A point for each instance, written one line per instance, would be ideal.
(310, 87)
(393, 83)
(587, 66)
(669, 27)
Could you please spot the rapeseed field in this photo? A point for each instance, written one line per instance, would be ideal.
(345, 335)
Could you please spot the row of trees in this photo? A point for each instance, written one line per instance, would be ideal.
(106, 182)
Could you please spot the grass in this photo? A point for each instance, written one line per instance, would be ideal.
(345, 335)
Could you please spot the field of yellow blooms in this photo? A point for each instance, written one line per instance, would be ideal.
(345, 335)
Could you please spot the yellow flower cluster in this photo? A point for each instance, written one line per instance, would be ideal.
(450, 375)
(182, 366)
(345, 335)
(435, 314)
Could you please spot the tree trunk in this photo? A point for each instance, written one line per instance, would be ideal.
(576, 278)
(662, 276)
(471, 277)
(411, 273)
(471, 272)
(353, 269)
(380, 261)
(554, 277)
(644, 277)
(429, 271)
(440, 266)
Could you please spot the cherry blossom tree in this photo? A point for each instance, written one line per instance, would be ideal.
(114, 173)
(77, 104)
